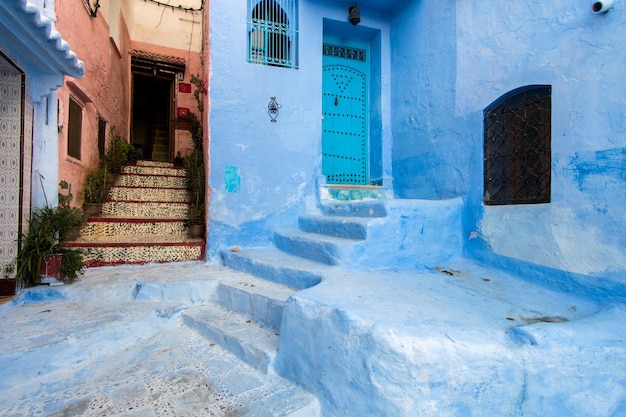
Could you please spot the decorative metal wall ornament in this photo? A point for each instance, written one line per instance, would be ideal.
(355, 15)
(346, 52)
(272, 109)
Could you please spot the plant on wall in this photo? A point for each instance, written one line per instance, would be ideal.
(200, 91)
(196, 182)
(99, 181)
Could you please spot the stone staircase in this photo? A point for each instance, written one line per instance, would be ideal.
(142, 221)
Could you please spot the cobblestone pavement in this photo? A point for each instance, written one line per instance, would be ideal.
(90, 349)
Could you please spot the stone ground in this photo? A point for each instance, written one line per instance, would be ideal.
(92, 349)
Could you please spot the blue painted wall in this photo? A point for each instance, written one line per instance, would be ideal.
(452, 59)
(264, 174)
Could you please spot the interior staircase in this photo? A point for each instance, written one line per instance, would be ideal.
(143, 219)
(160, 147)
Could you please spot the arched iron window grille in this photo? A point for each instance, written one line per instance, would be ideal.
(517, 138)
(272, 33)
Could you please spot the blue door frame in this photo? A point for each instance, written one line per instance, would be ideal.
(345, 109)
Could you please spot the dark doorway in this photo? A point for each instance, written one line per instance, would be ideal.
(151, 129)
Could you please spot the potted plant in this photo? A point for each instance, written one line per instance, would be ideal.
(69, 219)
(195, 221)
(96, 190)
(8, 282)
(42, 253)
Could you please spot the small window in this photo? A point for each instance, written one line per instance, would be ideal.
(273, 33)
(74, 131)
(517, 147)
(102, 132)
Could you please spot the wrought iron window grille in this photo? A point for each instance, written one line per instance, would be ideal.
(517, 146)
(273, 33)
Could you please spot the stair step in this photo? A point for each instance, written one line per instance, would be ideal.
(329, 250)
(354, 193)
(260, 300)
(105, 252)
(254, 344)
(152, 170)
(339, 226)
(278, 266)
(146, 209)
(100, 227)
(372, 208)
(151, 181)
(176, 195)
(149, 163)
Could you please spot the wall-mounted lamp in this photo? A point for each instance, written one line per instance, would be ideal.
(92, 9)
(601, 6)
(355, 15)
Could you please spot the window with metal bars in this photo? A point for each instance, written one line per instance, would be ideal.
(517, 166)
(273, 33)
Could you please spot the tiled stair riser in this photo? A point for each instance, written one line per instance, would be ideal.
(146, 163)
(150, 181)
(125, 228)
(144, 170)
(146, 209)
(140, 254)
(143, 220)
(175, 195)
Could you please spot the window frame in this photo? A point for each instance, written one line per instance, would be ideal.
(273, 37)
(517, 147)
(74, 128)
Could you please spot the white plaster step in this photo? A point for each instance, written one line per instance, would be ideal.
(153, 170)
(341, 226)
(177, 195)
(260, 300)
(276, 265)
(146, 209)
(370, 208)
(101, 227)
(151, 181)
(329, 250)
(252, 343)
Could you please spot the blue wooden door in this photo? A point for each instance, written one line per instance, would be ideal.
(344, 110)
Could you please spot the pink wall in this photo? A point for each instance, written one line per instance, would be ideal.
(104, 91)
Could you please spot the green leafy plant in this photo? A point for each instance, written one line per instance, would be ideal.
(118, 152)
(200, 91)
(195, 216)
(41, 242)
(96, 186)
(8, 270)
(68, 218)
(194, 167)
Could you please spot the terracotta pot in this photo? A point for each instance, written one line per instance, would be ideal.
(8, 286)
(50, 267)
(70, 234)
(92, 209)
(196, 230)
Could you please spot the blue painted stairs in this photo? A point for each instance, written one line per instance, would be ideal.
(369, 234)
(250, 300)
